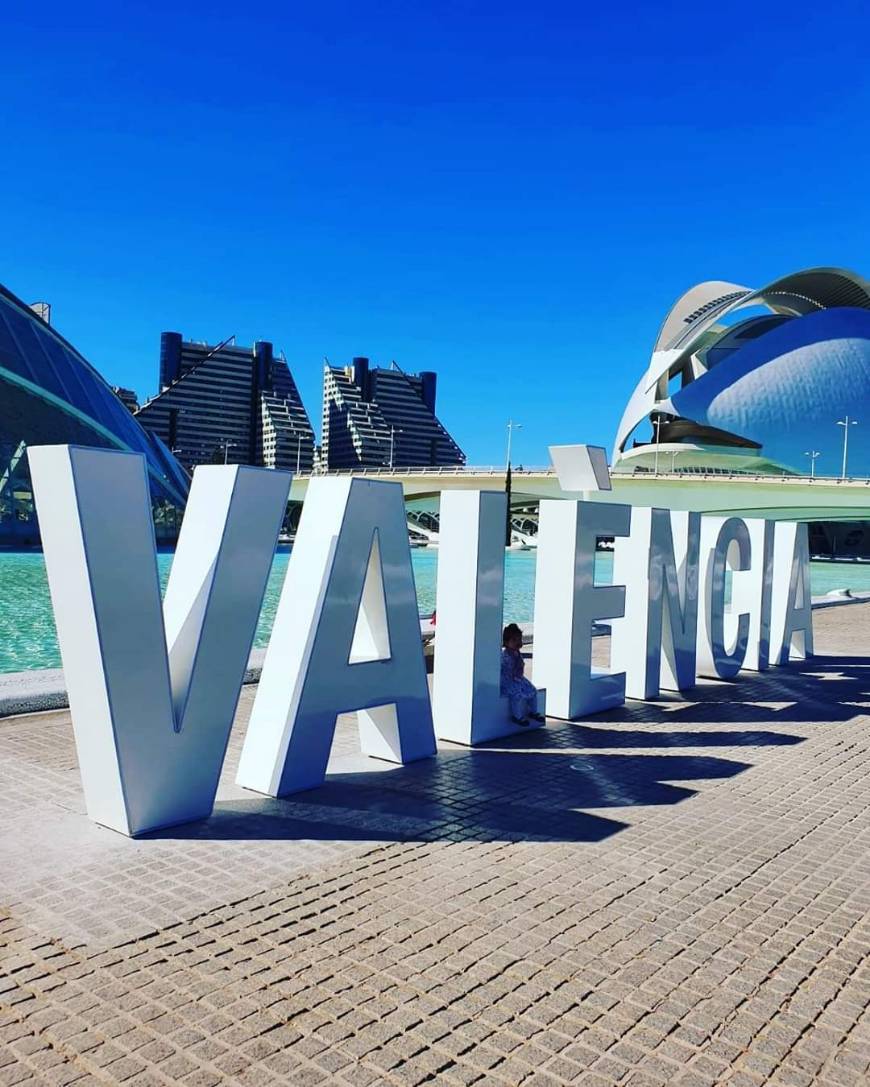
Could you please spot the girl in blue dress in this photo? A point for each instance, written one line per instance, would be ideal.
(514, 685)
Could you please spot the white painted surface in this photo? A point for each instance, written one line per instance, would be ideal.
(581, 467)
(467, 705)
(654, 643)
(346, 637)
(751, 592)
(779, 498)
(791, 622)
(152, 711)
(567, 603)
(723, 629)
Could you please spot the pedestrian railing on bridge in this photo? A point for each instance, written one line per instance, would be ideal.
(695, 473)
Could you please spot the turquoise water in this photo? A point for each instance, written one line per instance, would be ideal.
(27, 636)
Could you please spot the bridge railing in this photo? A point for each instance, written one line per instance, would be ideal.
(450, 470)
(751, 477)
(689, 472)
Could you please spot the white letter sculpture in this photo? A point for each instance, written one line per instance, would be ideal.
(468, 706)
(581, 468)
(152, 693)
(752, 593)
(791, 627)
(567, 603)
(654, 644)
(346, 637)
(723, 631)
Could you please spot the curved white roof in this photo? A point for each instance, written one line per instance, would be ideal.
(695, 303)
(697, 312)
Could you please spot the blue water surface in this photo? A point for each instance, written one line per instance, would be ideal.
(28, 640)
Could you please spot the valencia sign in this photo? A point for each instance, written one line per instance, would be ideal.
(153, 687)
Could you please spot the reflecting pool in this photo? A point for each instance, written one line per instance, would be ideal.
(27, 636)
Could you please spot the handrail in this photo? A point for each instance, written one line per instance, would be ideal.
(682, 476)
(446, 470)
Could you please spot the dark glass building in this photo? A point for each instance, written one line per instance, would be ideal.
(228, 404)
(377, 417)
(51, 395)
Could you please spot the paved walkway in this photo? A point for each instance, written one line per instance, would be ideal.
(669, 894)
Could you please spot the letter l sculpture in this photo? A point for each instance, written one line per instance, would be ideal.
(469, 708)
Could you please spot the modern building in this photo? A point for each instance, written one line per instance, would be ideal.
(51, 395)
(376, 417)
(765, 381)
(228, 404)
(127, 397)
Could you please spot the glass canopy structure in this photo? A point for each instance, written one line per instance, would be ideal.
(49, 395)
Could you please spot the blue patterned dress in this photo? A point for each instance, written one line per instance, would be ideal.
(514, 685)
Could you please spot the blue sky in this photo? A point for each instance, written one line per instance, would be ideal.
(512, 195)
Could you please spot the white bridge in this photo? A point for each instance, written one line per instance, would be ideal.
(783, 498)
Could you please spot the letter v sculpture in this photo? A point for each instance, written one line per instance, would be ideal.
(152, 691)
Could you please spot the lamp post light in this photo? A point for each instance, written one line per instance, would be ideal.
(298, 452)
(845, 424)
(511, 427)
(812, 454)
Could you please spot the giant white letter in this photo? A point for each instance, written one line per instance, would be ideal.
(751, 592)
(470, 603)
(723, 631)
(346, 637)
(791, 624)
(654, 644)
(152, 694)
(567, 603)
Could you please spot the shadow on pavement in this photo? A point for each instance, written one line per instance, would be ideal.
(589, 736)
(478, 795)
(534, 787)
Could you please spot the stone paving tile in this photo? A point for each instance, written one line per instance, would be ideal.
(668, 894)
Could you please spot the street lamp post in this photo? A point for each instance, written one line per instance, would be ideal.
(298, 452)
(812, 454)
(845, 424)
(511, 427)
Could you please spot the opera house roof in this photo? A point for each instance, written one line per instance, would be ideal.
(751, 380)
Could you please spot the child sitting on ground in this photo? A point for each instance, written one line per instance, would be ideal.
(514, 685)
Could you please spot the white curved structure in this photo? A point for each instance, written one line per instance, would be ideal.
(748, 380)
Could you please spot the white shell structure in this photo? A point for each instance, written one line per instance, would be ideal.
(747, 381)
